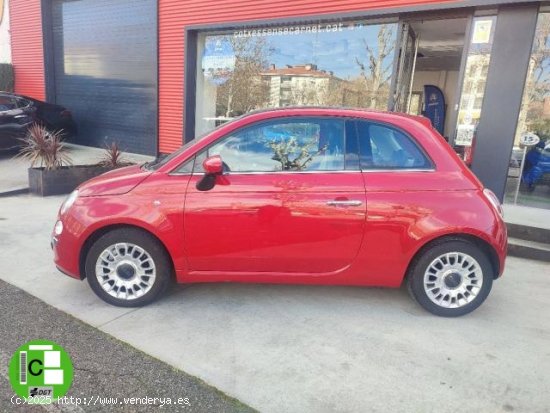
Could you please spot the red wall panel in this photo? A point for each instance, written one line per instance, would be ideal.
(175, 15)
(27, 48)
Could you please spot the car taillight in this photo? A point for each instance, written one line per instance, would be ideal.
(468, 155)
(66, 113)
(469, 151)
(495, 202)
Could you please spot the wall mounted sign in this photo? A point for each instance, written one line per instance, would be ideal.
(297, 30)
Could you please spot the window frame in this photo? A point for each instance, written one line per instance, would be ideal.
(295, 119)
(431, 164)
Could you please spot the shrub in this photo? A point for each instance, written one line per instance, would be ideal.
(45, 148)
(113, 156)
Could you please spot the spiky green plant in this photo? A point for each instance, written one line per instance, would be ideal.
(44, 148)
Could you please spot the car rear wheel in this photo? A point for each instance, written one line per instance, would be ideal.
(451, 278)
(127, 268)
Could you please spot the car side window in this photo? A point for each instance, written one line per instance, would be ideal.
(303, 144)
(7, 103)
(22, 103)
(186, 167)
(385, 147)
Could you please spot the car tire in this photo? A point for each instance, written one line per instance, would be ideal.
(450, 278)
(128, 267)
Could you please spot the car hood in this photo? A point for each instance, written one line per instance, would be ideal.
(116, 182)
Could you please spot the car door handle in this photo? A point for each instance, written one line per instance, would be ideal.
(344, 203)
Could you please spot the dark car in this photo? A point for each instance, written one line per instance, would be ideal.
(18, 112)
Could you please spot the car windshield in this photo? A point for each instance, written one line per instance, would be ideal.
(164, 159)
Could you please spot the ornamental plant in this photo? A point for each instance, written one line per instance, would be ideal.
(113, 157)
(44, 148)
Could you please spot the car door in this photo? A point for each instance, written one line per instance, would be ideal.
(289, 202)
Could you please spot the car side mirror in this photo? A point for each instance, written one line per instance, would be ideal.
(213, 167)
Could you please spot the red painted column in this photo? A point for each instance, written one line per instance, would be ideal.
(27, 48)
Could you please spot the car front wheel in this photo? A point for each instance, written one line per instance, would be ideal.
(127, 267)
(451, 278)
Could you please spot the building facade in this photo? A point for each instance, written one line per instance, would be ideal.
(153, 74)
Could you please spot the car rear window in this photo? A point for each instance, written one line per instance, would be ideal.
(384, 147)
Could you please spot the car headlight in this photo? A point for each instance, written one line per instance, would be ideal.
(69, 201)
(58, 229)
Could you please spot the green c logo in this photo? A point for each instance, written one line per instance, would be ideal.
(30, 367)
(40, 370)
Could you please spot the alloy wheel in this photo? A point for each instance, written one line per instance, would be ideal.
(125, 271)
(453, 280)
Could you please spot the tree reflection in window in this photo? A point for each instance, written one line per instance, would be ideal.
(347, 64)
(284, 146)
(535, 110)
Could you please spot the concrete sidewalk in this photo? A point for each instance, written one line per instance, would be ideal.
(105, 370)
(14, 175)
(322, 349)
(522, 215)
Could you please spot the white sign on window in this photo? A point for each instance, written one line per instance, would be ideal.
(482, 31)
(218, 60)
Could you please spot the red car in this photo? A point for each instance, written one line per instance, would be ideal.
(297, 196)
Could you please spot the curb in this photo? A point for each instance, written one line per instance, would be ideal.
(13, 192)
(528, 242)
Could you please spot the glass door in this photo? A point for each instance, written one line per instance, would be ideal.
(528, 181)
(406, 60)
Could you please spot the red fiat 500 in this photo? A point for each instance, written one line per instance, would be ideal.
(301, 195)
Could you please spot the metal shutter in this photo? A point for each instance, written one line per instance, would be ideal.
(105, 70)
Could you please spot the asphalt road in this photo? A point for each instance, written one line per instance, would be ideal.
(103, 366)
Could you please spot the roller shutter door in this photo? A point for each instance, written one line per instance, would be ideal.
(105, 70)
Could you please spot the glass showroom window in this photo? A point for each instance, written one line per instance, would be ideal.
(533, 130)
(325, 64)
(475, 77)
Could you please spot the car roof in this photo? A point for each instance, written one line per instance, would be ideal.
(16, 95)
(339, 111)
